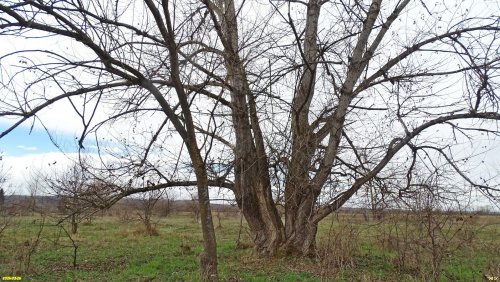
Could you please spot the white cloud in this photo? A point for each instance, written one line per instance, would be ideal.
(108, 149)
(21, 168)
(27, 148)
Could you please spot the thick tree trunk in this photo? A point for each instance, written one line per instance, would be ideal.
(297, 188)
(300, 195)
(299, 207)
(252, 183)
(253, 187)
(263, 219)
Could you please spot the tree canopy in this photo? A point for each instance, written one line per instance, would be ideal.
(292, 104)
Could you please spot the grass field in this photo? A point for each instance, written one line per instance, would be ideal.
(349, 249)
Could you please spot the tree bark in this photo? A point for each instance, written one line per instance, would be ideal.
(300, 195)
(252, 184)
(208, 258)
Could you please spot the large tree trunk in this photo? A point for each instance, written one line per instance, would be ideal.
(259, 210)
(252, 183)
(299, 206)
(299, 199)
(307, 175)
(303, 240)
(300, 195)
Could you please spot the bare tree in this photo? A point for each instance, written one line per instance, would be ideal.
(122, 65)
(301, 103)
(34, 184)
(147, 203)
(69, 186)
(167, 203)
(361, 101)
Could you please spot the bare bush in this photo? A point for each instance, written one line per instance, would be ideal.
(338, 251)
(26, 250)
(146, 204)
(166, 204)
(73, 187)
(426, 236)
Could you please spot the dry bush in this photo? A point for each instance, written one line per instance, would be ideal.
(149, 230)
(185, 248)
(124, 216)
(21, 263)
(194, 208)
(423, 240)
(492, 271)
(338, 252)
(132, 238)
(5, 220)
(122, 232)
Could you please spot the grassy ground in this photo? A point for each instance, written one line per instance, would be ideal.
(349, 249)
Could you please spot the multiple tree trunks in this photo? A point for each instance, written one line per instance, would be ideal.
(252, 182)
(270, 239)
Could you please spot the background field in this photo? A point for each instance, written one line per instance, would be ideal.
(351, 247)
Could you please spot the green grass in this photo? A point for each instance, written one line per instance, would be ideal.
(350, 249)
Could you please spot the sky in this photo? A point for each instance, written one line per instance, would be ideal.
(24, 149)
(23, 141)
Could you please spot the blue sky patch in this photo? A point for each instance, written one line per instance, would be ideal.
(21, 141)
